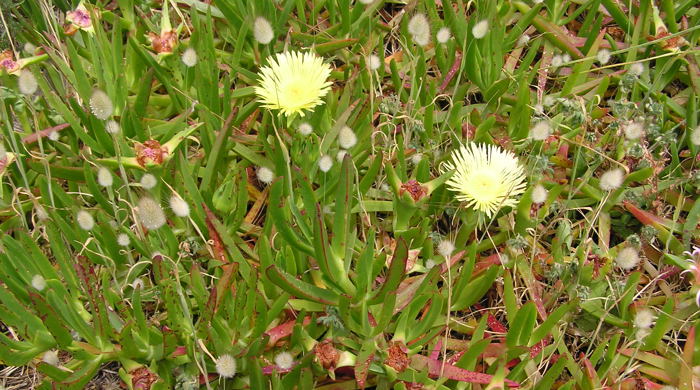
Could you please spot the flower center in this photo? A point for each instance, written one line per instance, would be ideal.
(485, 186)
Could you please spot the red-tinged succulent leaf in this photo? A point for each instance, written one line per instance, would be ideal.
(33, 137)
(644, 217)
(435, 354)
(219, 252)
(436, 367)
(496, 325)
(281, 331)
(452, 72)
(362, 370)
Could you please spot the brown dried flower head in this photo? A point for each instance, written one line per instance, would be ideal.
(150, 152)
(163, 43)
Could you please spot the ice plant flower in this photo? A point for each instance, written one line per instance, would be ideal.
(293, 82)
(8, 63)
(486, 177)
(79, 19)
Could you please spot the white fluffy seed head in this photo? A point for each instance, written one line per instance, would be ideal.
(54, 136)
(603, 56)
(112, 127)
(123, 239)
(541, 130)
(265, 175)
(636, 69)
(284, 360)
(101, 104)
(374, 62)
(189, 57)
(644, 319)
(38, 282)
(565, 57)
(627, 258)
(325, 163)
(226, 366)
(539, 194)
(346, 138)
(557, 61)
(27, 82)
(445, 248)
(612, 179)
(430, 264)
(51, 357)
(179, 206)
(262, 30)
(523, 40)
(148, 181)
(29, 48)
(305, 129)
(341, 155)
(419, 28)
(85, 220)
(443, 35)
(633, 130)
(695, 136)
(480, 29)
(416, 158)
(150, 213)
(138, 284)
(104, 177)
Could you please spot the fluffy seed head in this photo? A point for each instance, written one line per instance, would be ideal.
(523, 40)
(633, 130)
(112, 127)
(138, 284)
(557, 61)
(265, 175)
(27, 82)
(430, 264)
(565, 57)
(50, 357)
(305, 129)
(539, 194)
(541, 130)
(226, 366)
(480, 29)
(445, 248)
(346, 138)
(695, 136)
(150, 213)
(293, 82)
(101, 105)
(636, 69)
(627, 258)
(104, 177)
(443, 35)
(179, 206)
(29, 48)
(612, 179)
(284, 360)
(603, 56)
(374, 62)
(486, 177)
(341, 155)
(148, 181)
(644, 319)
(419, 28)
(38, 282)
(85, 220)
(416, 158)
(123, 239)
(189, 57)
(325, 163)
(262, 30)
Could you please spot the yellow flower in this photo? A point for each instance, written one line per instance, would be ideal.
(486, 177)
(293, 82)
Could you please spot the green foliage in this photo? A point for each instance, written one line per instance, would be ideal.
(369, 274)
